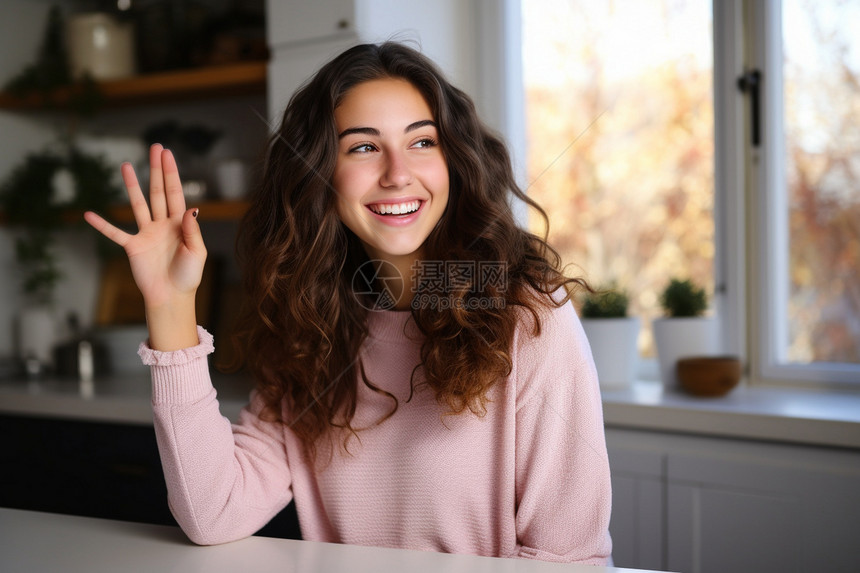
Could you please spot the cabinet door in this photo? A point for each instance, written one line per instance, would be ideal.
(761, 508)
(638, 501)
(296, 21)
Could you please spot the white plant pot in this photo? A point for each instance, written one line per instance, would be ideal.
(678, 338)
(37, 333)
(232, 178)
(613, 346)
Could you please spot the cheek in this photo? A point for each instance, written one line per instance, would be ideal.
(349, 180)
(346, 210)
(442, 181)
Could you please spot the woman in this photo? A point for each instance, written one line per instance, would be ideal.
(422, 379)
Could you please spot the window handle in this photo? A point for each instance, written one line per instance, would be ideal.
(750, 82)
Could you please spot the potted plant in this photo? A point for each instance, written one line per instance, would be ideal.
(34, 200)
(612, 336)
(684, 330)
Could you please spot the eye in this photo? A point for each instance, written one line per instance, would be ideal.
(425, 143)
(362, 148)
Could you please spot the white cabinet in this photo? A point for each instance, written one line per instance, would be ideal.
(304, 34)
(698, 504)
(638, 501)
(297, 21)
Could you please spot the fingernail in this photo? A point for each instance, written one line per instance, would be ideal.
(194, 214)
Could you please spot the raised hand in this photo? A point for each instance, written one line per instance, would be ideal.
(167, 254)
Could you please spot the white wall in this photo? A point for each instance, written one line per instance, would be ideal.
(444, 30)
(21, 26)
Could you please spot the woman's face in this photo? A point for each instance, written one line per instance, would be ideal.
(391, 177)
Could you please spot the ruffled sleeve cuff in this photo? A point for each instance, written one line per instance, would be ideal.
(152, 357)
(180, 376)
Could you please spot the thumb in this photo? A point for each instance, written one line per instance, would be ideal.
(191, 234)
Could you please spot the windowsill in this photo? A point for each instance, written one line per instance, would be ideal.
(758, 413)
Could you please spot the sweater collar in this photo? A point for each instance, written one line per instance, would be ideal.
(392, 326)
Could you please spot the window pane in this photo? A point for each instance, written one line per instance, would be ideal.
(621, 140)
(821, 77)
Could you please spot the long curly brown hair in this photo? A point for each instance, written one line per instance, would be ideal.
(303, 325)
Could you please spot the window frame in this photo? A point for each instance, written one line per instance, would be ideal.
(769, 214)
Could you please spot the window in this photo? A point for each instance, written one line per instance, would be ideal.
(640, 147)
(808, 171)
(620, 134)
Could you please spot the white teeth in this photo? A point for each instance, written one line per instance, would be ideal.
(395, 208)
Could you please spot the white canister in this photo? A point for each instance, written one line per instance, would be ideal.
(101, 46)
(232, 178)
(122, 343)
(37, 330)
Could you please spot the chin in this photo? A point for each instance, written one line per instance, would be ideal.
(393, 250)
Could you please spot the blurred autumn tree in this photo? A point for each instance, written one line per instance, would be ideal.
(620, 137)
(822, 119)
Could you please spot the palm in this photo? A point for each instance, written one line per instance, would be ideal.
(167, 254)
(161, 262)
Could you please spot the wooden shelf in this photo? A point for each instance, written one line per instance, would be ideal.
(244, 78)
(209, 211)
(215, 210)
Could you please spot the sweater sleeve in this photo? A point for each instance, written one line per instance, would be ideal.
(224, 481)
(563, 491)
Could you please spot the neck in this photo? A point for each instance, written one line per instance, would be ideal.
(399, 281)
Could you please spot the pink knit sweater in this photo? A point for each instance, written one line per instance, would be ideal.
(528, 479)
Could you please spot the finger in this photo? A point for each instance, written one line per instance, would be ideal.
(135, 196)
(98, 223)
(157, 201)
(191, 235)
(172, 184)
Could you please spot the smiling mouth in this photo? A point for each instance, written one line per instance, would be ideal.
(395, 208)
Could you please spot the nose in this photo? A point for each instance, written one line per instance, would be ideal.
(396, 173)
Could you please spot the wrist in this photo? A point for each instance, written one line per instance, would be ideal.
(172, 325)
(176, 304)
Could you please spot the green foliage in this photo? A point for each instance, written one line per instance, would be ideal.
(34, 253)
(608, 303)
(683, 299)
(30, 202)
(25, 196)
(94, 189)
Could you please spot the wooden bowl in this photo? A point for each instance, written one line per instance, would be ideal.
(709, 375)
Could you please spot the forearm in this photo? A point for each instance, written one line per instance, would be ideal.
(224, 481)
(173, 325)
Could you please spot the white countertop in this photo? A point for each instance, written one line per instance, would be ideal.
(40, 542)
(123, 398)
(790, 415)
(762, 413)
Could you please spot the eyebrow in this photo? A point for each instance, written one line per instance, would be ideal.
(373, 131)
